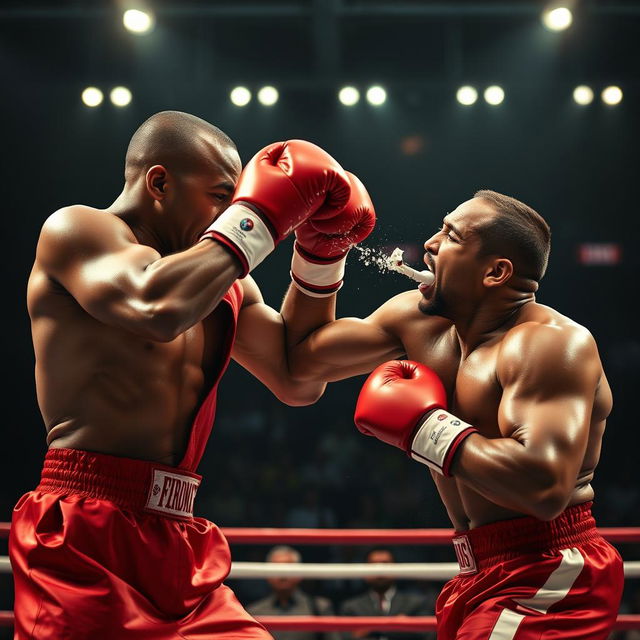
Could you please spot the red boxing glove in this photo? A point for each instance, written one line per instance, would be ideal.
(322, 243)
(280, 187)
(403, 403)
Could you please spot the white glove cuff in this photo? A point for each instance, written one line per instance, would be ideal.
(438, 438)
(315, 279)
(245, 231)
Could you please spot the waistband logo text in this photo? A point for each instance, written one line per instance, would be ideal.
(464, 554)
(172, 494)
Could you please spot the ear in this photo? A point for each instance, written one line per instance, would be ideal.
(156, 181)
(498, 272)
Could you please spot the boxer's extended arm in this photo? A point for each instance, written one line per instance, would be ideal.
(96, 258)
(324, 349)
(549, 376)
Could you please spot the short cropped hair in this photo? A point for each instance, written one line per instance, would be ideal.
(516, 232)
(174, 140)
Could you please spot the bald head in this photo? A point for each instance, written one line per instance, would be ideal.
(181, 142)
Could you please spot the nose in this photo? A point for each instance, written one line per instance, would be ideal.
(431, 245)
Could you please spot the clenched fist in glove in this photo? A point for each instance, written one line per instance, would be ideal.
(279, 188)
(403, 403)
(323, 241)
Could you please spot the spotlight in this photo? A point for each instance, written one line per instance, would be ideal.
(612, 95)
(268, 96)
(240, 96)
(376, 95)
(557, 19)
(137, 21)
(92, 96)
(348, 96)
(583, 95)
(466, 95)
(120, 96)
(494, 95)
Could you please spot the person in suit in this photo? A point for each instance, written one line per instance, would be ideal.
(288, 599)
(383, 598)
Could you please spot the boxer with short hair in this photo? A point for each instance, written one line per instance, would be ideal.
(505, 400)
(136, 310)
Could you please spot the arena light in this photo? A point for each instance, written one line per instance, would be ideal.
(494, 95)
(467, 95)
(137, 21)
(376, 95)
(92, 96)
(612, 95)
(583, 95)
(557, 19)
(349, 96)
(240, 96)
(120, 96)
(268, 96)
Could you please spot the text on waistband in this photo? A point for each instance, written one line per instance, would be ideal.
(172, 493)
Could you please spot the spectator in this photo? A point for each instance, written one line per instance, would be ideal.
(383, 598)
(289, 600)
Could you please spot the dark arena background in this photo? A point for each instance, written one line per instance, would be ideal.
(443, 99)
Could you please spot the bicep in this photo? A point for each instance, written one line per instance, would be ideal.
(259, 342)
(548, 399)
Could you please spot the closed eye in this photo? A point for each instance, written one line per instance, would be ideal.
(447, 233)
(220, 197)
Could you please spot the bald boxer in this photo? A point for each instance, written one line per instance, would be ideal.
(505, 401)
(136, 310)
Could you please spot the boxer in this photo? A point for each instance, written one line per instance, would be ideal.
(136, 310)
(505, 401)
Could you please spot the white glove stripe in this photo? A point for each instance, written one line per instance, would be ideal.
(320, 275)
(246, 230)
(437, 439)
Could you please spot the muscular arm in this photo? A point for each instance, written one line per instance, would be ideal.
(278, 350)
(96, 258)
(323, 349)
(549, 377)
(260, 347)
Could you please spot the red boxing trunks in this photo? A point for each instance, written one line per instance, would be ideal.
(107, 548)
(525, 579)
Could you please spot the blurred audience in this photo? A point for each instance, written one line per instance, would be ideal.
(384, 598)
(288, 599)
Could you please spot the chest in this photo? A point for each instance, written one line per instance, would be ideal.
(472, 384)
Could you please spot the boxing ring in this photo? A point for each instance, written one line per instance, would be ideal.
(440, 571)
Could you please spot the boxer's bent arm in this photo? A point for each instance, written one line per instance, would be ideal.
(260, 347)
(549, 377)
(339, 349)
(96, 258)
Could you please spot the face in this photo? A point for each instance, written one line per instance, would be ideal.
(452, 255)
(283, 585)
(380, 583)
(200, 196)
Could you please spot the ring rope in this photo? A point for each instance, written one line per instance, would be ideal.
(271, 535)
(339, 623)
(329, 571)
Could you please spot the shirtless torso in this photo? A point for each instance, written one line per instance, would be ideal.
(475, 395)
(116, 390)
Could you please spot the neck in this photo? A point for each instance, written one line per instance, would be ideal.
(140, 215)
(490, 318)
